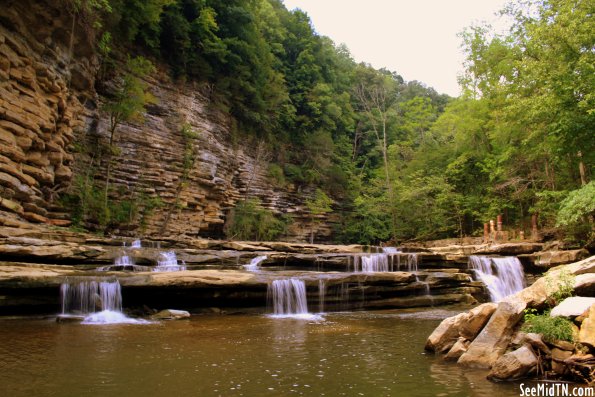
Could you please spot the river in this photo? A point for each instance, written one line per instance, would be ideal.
(342, 354)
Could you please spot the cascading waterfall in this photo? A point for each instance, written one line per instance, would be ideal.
(100, 301)
(289, 299)
(385, 262)
(502, 276)
(168, 262)
(254, 263)
(89, 296)
(136, 244)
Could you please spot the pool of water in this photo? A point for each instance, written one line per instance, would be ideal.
(342, 354)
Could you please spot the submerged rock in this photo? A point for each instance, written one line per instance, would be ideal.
(170, 314)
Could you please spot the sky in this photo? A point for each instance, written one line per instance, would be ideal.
(415, 38)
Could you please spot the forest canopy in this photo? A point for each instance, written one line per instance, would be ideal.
(399, 160)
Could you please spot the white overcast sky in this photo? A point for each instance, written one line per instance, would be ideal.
(415, 38)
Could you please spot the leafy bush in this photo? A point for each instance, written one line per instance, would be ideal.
(551, 328)
(250, 221)
(561, 288)
(276, 175)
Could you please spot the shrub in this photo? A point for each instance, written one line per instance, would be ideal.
(276, 175)
(551, 328)
(250, 221)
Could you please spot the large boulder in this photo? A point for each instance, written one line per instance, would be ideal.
(457, 349)
(586, 334)
(477, 319)
(514, 365)
(572, 307)
(492, 341)
(446, 334)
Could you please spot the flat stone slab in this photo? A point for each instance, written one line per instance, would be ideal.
(572, 307)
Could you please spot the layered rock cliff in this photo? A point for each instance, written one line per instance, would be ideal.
(50, 114)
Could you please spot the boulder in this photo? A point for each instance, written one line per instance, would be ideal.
(548, 259)
(492, 341)
(457, 349)
(573, 306)
(558, 358)
(514, 365)
(536, 342)
(170, 314)
(478, 317)
(586, 334)
(446, 334)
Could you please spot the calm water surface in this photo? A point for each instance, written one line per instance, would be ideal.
(346, 354)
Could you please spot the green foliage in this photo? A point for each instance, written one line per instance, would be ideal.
(551, 328)
(400, 160)
(276, 175)
(88, 209)
(577, 206)
(561, 287)
(132, 94)
(250, 221)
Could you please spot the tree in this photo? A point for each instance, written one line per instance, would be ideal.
(317, 206)
(376, 96)
(127, 104)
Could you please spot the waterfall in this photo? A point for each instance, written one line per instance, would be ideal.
(502, 276)
(385, 262)
(289, 299)
(168, 262)
(99, 301)
(136, 244)
(390, 250)
(89, 296)
(254, 263)
(124, 262)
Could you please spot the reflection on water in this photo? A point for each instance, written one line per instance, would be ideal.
(346, 354)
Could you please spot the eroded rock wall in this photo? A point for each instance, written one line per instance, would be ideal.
(43, 82)
(50, 118)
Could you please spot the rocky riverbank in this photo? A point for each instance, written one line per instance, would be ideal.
(490, 335)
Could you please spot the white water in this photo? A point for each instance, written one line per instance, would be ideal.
(289, 299)
(99, 301)
(502, 276)
(124, 262)
(84, 297)
(254, 263)
(136, 244)
(168, 262)
(390, 250)
(111, 317)
(385, 262)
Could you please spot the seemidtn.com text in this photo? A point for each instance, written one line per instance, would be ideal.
(556, 390)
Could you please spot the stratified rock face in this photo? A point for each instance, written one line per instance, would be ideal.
(40, 105)
(49, 107)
